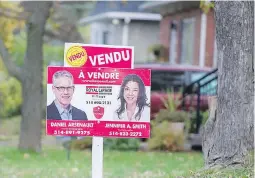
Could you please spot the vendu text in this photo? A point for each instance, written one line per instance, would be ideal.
(110, 58)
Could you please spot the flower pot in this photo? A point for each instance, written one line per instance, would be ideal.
(177, 127)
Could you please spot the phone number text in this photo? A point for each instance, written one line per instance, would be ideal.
(71, 132)
(99, 102)
(129, 134)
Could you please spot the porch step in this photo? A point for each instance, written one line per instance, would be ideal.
(195, 140)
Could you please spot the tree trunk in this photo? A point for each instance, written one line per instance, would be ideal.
(30, 132)
(229, 135)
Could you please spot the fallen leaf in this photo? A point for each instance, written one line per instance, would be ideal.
(75, 169)
(180, 159)
(26, 155)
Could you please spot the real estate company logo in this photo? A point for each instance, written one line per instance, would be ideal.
(76, 56)
(98, 112)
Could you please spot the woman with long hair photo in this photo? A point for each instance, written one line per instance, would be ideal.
(133, 100)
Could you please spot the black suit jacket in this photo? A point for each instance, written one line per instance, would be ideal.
(53, 114)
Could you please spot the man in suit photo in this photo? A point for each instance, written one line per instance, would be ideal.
(63, 89)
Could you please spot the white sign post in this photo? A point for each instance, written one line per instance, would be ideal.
(97, 157)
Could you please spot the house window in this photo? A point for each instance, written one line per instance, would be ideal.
(106, 37)
(187, 40)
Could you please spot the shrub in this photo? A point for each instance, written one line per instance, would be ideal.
(193, 117)
(122, 144)
(165, 134)
(172, 101)
(159, 52)
(82, 144)
(164, 138)
(205, 115)
(175, 116)
(10, 97)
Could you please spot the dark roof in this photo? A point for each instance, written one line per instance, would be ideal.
(116, 6)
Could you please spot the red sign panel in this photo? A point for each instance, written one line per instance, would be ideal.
(82, 55)
(98, 128)
(105, 102)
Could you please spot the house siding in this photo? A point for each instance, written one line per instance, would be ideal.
(97, 29)
(116, 34)
(142, 35)
(196, 13)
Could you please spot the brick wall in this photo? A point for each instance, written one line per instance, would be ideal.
(210, 37)
(165, 34)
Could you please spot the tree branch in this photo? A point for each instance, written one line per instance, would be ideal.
(13, 69)
(65, 35)
(51, 35)
(10, 13)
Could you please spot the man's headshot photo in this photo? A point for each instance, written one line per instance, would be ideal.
(63, 89)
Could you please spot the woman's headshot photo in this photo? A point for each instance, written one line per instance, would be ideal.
(133, 101)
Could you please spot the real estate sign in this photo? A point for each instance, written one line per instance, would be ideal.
(105, 102)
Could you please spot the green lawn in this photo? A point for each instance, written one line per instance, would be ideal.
(52, 163)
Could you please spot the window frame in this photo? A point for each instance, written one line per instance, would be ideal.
(191, 38)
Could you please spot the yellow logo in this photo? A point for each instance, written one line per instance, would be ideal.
(76, 56)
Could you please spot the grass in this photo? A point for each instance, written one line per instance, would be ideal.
(244, 172)
(9, 127)
(52, 163)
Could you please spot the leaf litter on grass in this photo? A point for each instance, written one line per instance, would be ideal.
(116, 164)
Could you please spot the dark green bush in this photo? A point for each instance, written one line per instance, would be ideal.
(193, 121)
(174, 116)
(10, 97)
(122, 144)
(82, 144)
(166, 133)
(164, 138)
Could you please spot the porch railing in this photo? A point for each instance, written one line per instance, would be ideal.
(203, 87)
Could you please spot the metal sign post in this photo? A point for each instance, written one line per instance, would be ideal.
(97, 157)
